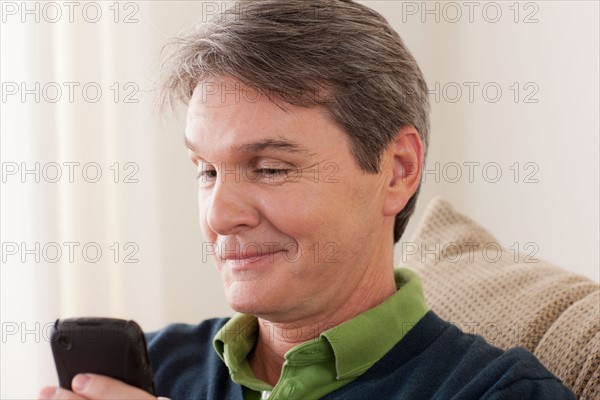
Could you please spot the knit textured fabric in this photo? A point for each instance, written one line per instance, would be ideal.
(509, 298)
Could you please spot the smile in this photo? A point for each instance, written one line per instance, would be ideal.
(251, 261)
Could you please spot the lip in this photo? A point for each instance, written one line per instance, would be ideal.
(251, 261)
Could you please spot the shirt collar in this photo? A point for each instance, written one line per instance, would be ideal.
(356, 344)
(362, 341)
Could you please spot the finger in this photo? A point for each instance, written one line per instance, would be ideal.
(98, 387)
(56, 393)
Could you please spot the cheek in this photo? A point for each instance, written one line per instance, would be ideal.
(203, 202)
(298, 211)
(317, 228)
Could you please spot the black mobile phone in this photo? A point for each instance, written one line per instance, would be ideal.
(105, 346)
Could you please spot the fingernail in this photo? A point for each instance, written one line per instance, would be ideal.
(80, 382)
(48, 392)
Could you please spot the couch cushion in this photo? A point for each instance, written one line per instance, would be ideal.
(511, 299)
(571, 347)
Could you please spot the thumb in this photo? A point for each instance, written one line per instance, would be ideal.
(99, 387)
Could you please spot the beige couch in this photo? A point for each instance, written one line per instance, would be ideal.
(509, 299)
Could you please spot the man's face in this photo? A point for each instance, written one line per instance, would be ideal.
(292, 221)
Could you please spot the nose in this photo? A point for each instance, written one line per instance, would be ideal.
(231, 209)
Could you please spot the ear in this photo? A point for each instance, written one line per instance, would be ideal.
(402, 164)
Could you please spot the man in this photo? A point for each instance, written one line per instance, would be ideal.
(308, 123)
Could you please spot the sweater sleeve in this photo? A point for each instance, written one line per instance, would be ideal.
(522, 376)
(185, 364)
(546, 389)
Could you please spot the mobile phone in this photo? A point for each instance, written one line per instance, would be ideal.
(105, 346)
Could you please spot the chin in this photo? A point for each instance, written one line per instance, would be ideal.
(251, 301)
(254, 309)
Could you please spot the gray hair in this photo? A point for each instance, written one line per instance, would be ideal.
(337, 54)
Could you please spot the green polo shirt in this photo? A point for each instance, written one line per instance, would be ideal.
(338, 356)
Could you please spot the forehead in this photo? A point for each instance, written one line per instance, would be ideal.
(224, 112)
(227, 102)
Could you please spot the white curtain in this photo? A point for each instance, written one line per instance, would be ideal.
(101, 172)
(106, 222)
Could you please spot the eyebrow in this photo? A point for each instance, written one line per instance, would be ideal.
(280, 144)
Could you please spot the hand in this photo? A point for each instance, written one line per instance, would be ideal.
(96, 387)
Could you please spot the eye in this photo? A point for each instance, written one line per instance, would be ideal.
(210, 174)
(272, 171)
(268, 171)
(206, 172)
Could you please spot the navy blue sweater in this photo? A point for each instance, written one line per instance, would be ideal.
(435, 360)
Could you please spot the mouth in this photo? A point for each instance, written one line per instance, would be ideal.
(248, 258)
(240, 262)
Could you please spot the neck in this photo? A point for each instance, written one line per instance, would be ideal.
(277, 338)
